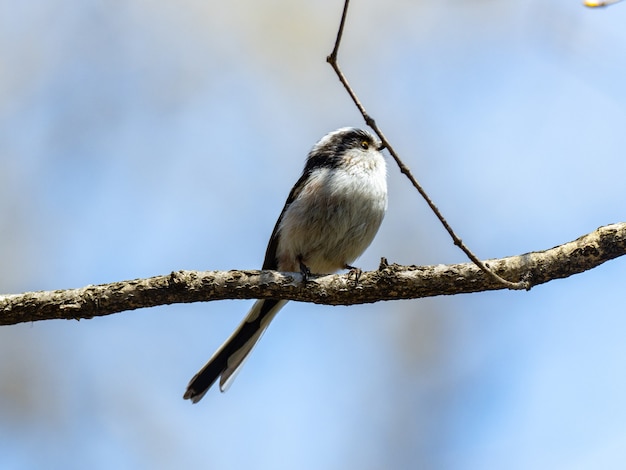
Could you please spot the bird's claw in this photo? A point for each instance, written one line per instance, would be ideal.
(356, 272)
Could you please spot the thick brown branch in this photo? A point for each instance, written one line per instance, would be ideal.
(388, 283)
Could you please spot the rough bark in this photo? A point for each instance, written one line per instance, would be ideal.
(389, 282)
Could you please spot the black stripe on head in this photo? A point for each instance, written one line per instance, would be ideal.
(327, 153)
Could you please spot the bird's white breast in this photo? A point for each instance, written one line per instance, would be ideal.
(336, 215)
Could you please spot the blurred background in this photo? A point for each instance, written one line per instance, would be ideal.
(142, 137)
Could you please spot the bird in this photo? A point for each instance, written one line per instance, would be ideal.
(330, 217)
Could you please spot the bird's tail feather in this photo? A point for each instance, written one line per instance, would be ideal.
(229, 358)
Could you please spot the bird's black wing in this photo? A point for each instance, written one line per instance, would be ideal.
(270, 261)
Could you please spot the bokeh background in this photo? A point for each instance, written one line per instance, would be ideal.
(142, 137)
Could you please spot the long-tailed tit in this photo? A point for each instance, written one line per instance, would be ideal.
(329, 219)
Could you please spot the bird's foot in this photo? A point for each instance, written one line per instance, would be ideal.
(356, 272)
(304, 270)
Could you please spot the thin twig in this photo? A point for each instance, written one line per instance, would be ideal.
(332, 60)
(600, 3)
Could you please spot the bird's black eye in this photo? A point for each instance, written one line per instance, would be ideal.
(365, 144)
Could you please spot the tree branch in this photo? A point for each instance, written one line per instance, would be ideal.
(389, 282)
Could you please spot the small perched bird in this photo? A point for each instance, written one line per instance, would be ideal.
(330, 217)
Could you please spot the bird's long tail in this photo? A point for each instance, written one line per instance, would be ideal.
(228, 359)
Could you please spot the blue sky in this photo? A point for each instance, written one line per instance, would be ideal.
(145, 137)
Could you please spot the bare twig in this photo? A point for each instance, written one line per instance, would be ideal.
(599, 3)
(332, 60)
(390, 282)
